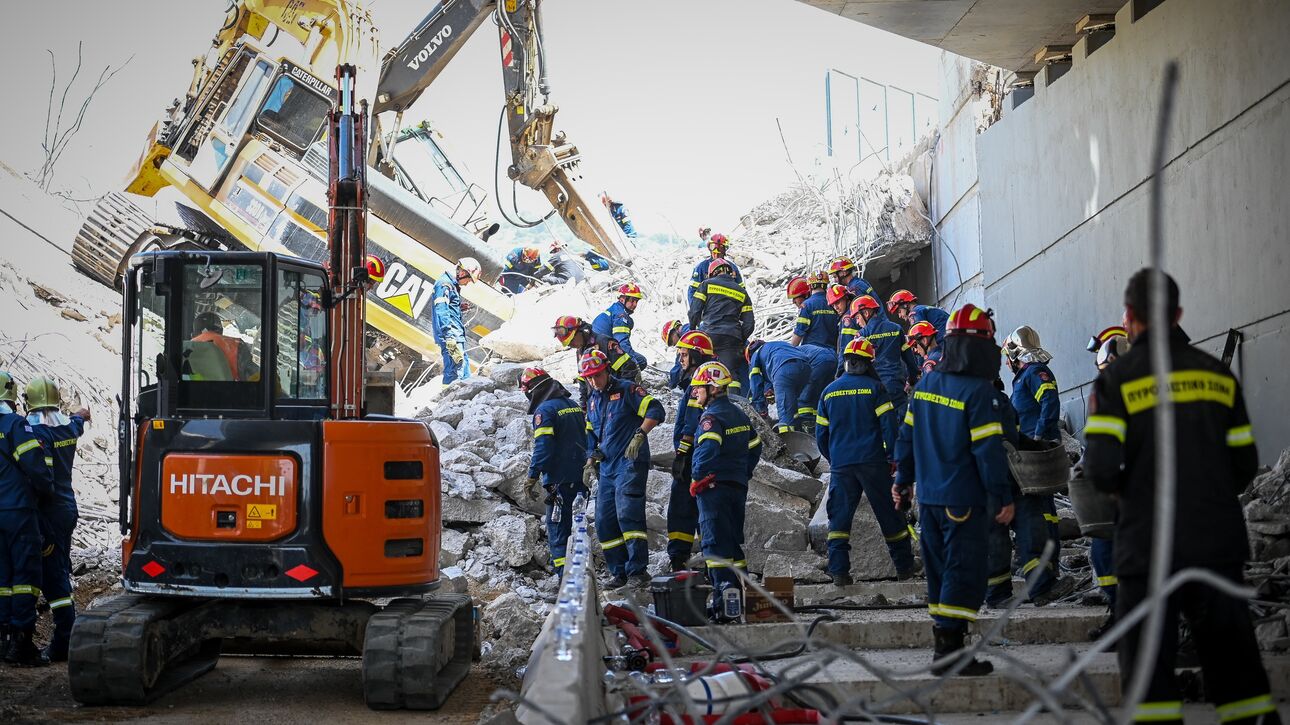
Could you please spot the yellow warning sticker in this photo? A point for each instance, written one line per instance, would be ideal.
(252, 523)
(264, 511)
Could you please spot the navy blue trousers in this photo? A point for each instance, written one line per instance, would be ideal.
(824, 368)
(56, 526)
(790, 383)
(954, 543)
(682, 516)
(1034, 524)
(620, 514)
(846, 486)
(1101, 553)
(721, 526)
(558, 532)
(19, 568)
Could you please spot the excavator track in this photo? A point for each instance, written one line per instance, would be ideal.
(109, 233)
(416, 652)
(135, 648)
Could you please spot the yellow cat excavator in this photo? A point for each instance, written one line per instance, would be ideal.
(245, 148)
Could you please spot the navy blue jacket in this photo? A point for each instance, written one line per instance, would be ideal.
(929, 363)
(860, 287)
(848, 426)
(616, 413)
(26, 468)
(515, 264)
(765, 363)
(817, 322)
(721, 306)
(59, 442)
(935, 315)
(446, 322)
(700, 273)
(727, 444)
(616, 322)
(889, 362)
(951, 442)
(688, 411)
(1034, 395)
(559, 441)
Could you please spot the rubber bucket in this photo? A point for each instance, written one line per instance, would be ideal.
(1039, 472)
(1094, 509)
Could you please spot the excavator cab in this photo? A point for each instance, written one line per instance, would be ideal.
(254, 518)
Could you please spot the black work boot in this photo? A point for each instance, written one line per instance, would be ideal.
(1101, 629)
(24, 653)
(843, 580)
(949, 641)
(1060, 588)
(679, 563)
(618, 582)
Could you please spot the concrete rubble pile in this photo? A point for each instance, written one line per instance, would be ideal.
(1267, 516)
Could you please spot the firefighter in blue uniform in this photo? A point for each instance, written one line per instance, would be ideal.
(616, 322)
(903, 304)
(817, 321)
(725, 455)
(620, 415)
(894, 362)
(576, 334)
(1038, 406)
(823, 363)
(26, 480)
(446, 322)
(951, 443)
(717, 247)
(692, 350)
(848, 328)
(844, 273)
(859, 447)
(521, 269)
(1108, 345)
(784, 372)
(723, 309)
(57, 433)
(619, 212)
(1215, 459)
(922, 341)
(559, 450)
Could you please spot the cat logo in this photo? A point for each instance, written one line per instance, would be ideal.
(404, 290)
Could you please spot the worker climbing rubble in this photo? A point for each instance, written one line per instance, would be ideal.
(616, 322)
(693, 349)
(559, 449)
(723, 309)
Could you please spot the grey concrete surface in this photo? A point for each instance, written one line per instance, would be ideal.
(811, 594)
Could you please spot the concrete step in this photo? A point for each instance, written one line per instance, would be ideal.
(906, 628)
(812, 594)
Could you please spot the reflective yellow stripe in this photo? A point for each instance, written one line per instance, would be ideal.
(700, 296)
(839, 535)
(951, 611)
(756, 441)
(629, 535)
(20, 589)
(1158, 711)
(60, 603)
(557, 562)
(733, 384)
(956, 519)
(939, 399)
(694, 404)
(853, 391)
(803, 321)
(897, 537)
(694, 284)
(806, 411)
(995, 581)
(884, 408)
(6, 592)
(621, 328)
(589, 426)
(987, 430)
(741, 564)
(49, 461)
(1185, 386)
(850, 331)
(24, 447)
(680, 536)
(909, 417)
(611, 543)
(783, 428)
(1241, 435)
(711, 436)
(1052, 518)
(1029, 566)
(621, 361)
(545, 430)
(746, 308)
(1039, 393)
(755, 371)
(821, 420)
(1106, 425)
(684, 447)
(1107, 581)
(645, 401)
(733, 294)
(715, 563)
(1249, 707)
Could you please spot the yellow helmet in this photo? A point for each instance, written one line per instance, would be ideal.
(8, 388)
(42, 393)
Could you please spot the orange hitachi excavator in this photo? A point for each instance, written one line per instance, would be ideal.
(263, 508)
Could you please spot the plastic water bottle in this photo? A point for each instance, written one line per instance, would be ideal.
(557, 509)
(563, 645)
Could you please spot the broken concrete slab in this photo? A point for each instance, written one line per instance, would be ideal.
(789, 481)
(514, 538)
(473, 511)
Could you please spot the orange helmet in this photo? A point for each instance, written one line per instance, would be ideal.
(920, 330)
(971, 320)
(712, 373)
(753, 347)
(860, 346)
(375, 268)
(818, 279)
(668, 328)
(717, 264)
(718, 244)
(565, 327)
(631, 289)
(531, 378)
(837, 293)
(697, 341)
(530, 254)
(900, 297)
(864, 302)
(798, 287)
(1095, 342)
(841, 264)
(593, 362)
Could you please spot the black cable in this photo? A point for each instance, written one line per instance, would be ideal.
(497, 189)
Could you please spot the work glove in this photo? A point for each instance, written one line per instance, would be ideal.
(634, 445)
(454, 351)
(680, 463)
(589, 474)
(902, 497)
(708, 481)
(531, 486)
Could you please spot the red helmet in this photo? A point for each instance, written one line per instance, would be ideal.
(668, 328)
(920, 330)
(837, 293)
(717, 264)
(698, 341)
(1096, 342)
(860, 346)
(718, 244)
(593, 362)
(712, 373)
(864, 302)
(818, 279)
(971, 320)
(556, 245)
(530, 254)
(531, 378)
(901, 296)
(375, 268)
(798, 287)
(565, 327)
(631, 289)
(753, 347)
(841, 264)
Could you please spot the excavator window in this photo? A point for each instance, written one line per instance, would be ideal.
(149, 342)
(302, 337)
(220, 359)
(293, 113)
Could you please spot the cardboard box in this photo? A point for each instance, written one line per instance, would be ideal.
(757, 608)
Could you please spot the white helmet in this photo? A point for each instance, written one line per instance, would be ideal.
(470, 266)
(1023, 344)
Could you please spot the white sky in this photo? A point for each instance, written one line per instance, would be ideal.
(672, 102)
